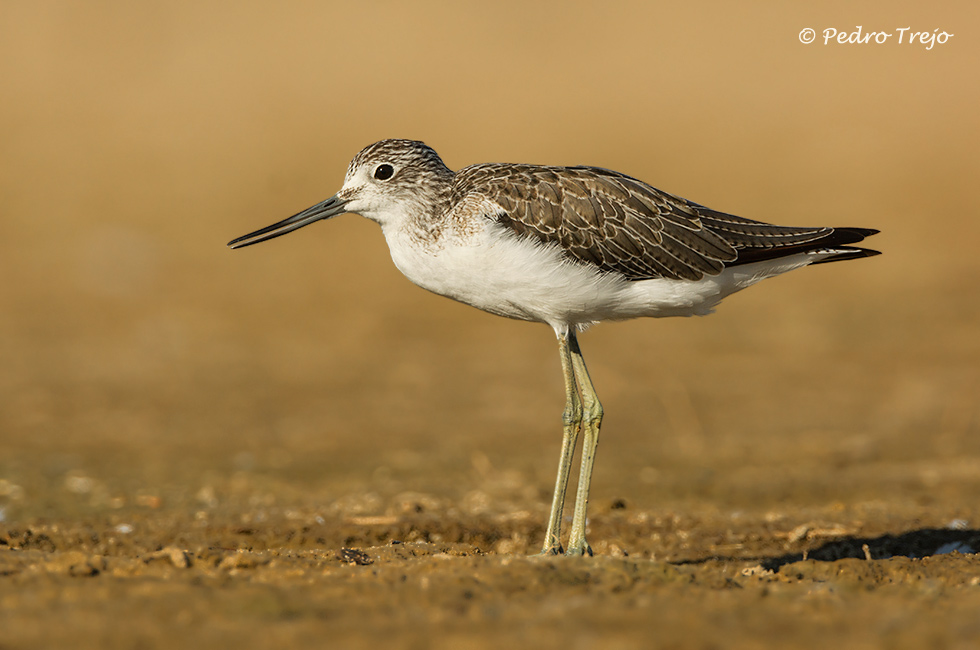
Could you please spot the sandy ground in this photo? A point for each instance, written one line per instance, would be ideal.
(291, 445)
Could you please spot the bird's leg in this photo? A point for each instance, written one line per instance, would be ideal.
(571, 423)
(591, 421)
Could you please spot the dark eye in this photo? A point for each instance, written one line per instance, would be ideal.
(384, 172)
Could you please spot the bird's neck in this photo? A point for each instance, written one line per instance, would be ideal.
(422, 217)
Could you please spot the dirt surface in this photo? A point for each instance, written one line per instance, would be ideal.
(159, 578)
(292, 446)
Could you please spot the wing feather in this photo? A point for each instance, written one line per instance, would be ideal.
(622, 225)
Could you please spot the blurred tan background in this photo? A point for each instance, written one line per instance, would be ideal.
(138, 352)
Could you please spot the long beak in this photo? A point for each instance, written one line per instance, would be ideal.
(329, 208)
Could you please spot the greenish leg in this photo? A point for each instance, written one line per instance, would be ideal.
(571, 423)
(591, 415)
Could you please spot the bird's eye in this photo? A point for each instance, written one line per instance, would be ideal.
(384, 172)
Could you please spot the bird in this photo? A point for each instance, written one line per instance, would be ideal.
(567, 246)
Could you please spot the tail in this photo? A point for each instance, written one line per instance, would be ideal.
(832, 244)
(828, 244)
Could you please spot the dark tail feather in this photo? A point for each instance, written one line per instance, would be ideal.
(848, 236)
(848, 253)
(837, 239)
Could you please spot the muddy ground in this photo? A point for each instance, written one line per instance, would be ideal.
(291, 446)
(246, 561)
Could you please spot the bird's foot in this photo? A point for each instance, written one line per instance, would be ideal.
(578, 550)
(551, 551)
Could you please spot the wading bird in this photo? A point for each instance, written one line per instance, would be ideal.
(565, 246)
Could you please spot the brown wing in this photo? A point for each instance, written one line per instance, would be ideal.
(623, 225)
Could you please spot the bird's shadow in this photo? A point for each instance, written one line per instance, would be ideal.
(913, 544)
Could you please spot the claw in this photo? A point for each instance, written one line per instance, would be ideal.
(580, 551)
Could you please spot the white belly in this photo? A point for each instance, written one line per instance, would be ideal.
(507, 275)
